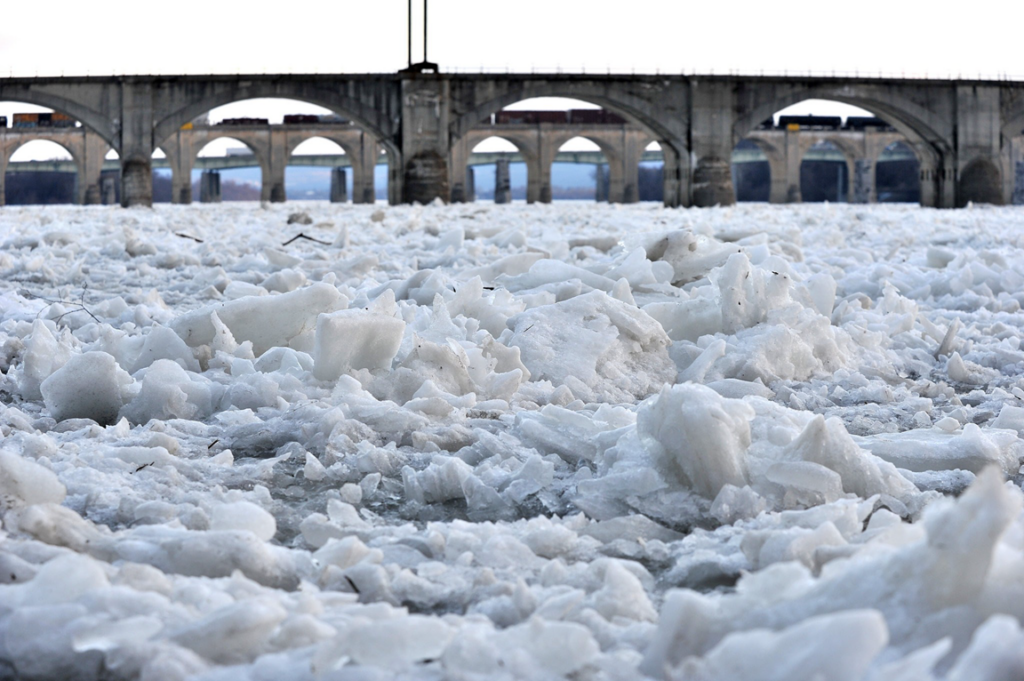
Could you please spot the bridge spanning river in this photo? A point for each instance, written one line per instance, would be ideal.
(966, 135)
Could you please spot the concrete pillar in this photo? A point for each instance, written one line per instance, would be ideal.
(108, 191)
(469, 195)
(458, 159)
(363, 168)
(94, 151)
(863, 181)
(979, 148)
(676, 177)
(136, 144)
(425, 147)
(274, 165)
(547, 153)
(1018, 183)
(339, 186)
(711, 123)
(502, 182)
(179, 149)
(209, 187)
(3, 173)
(601, 183)
(631, 152)
(794, 157)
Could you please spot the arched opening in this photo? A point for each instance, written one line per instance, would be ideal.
(823, 174)
(612, 147)
(847, 168)
(751, 172)
(319, 170)
(40, 172)
(897, 175)
(580, 172)
(42, 155)
(226, 169)
(651, 174)
(496, 172)
(385, 179)
(274, 129)
(980, 183)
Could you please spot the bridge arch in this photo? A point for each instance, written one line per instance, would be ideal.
(259, 151)
(919, 125)
(94, 120)
(775, 159)
(525, 146)
(363, 116)
(11, 148)
(671, 133)
(891, 184)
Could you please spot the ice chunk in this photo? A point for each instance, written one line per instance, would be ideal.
(163, 343)
(698, 437)
(24, 482)
(600, 347)
(266, 321)
(827, 443)
(44, 354)
(837, 647)
(244, 515)
(90, 385)
(168, 391)
(234, 633)
(355, 339)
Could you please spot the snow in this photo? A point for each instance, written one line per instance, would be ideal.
(502, 442)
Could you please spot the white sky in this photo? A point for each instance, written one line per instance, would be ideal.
(937, 39)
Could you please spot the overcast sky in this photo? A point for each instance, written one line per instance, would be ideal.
(937, 39)
(133, 36)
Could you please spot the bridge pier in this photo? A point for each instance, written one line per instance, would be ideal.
(136, 144)
(502, 182)
(979, 145)
(339, 186)
(363, 168)
(275, 160)
(711, 121)
(425, 105)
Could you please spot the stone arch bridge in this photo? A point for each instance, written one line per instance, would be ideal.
(962, 131)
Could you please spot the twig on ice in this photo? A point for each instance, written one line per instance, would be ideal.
(300, 235)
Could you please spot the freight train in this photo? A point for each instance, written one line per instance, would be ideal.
(571, 117)
(39, 120)
(858, 123)
(314, 119)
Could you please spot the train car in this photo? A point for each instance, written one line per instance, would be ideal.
(862, 122)
(595, 117)
(811, 122)
(530, 117)
(301, 119)
(26, 120)
(234, 122)
(333, 119)
(59, 120)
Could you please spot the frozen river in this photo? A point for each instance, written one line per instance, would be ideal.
(504, 442)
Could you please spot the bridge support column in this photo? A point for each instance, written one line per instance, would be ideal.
(470, 191)
(90, 169)
(363, 169)
(979, 146)
(602, 183)
(425, 99)
(502, 182)
(339, 186)
(711, 120)
(794, 157)
(863, 181)
(675, 177)
(108, 191)
(180, 157)
(632, 152)
(276, 160)
(457, 160)
(136, 144)
(209, 187)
